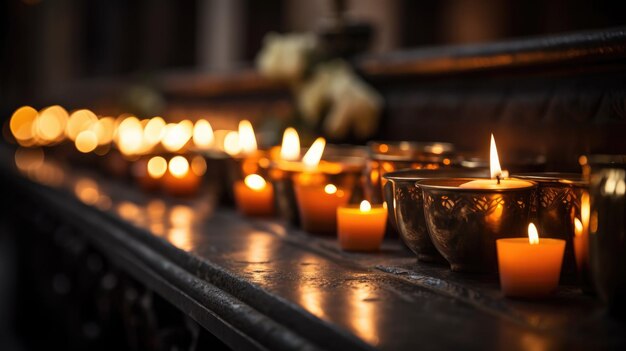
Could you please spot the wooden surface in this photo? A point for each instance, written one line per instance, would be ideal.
(258, 284)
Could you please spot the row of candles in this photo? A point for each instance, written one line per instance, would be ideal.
(163, 157)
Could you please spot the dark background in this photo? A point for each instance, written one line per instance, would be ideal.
(48, 46)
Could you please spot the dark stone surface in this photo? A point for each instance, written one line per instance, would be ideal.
(259, 284)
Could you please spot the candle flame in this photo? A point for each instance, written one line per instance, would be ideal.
(178, 166)
(154, 131)
(290, 148)
(247, 140)
(176, 136)
(578, 227)
(365, 206)
(157, 166)
(494, 164)
(533, 235)
(231, 143)
(86, 141)
(313, 156)
(330, 189)
(255, 182)
(203, 136)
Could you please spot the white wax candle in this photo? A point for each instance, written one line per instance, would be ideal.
(493, 184)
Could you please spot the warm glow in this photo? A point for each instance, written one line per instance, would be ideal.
(231, 143)
(198, 165)
(203, 135)
(21, 123)
(247, 140)
(179, 166)
(365, 206)
(255, 182)
(533, 235)
(584, 209)
(86, 141)
(157, 166)
(104, 129)
(578, 227)
(130, 136)
(154, 131)
(330, 189)
(176, 136)
(494, 164)
(50, 125)
(290, 148)
(312, 157)
(79, 120)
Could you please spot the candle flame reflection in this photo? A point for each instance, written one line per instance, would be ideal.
(533, 235)
(363, 314)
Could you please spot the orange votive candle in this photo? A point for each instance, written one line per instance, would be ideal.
(529, 267)
(180, 180)
(318, 205)
(254, 196)
(361, 227)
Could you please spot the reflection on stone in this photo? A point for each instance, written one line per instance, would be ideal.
(363, 314)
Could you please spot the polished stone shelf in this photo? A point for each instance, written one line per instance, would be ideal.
(260, 284)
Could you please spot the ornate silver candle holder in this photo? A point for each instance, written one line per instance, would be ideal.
(557, 204)
(607, 230)
(406, 207)
(464, 223)
(390, 156)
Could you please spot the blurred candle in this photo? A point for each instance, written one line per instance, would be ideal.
(180, 180)
(254, 196)
(361, 227)
(529, 267)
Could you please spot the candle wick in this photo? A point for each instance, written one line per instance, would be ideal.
(498, 179)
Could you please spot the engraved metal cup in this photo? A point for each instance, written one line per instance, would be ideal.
(406, 207)
(607, 231)
(464, 224)
(556, 206)
(390, 156)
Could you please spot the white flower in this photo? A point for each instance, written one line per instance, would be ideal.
(285, 57)
(354, 105)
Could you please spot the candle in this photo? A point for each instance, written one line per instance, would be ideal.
(180, 180)
(318, 205)
(498, 176)
(361, 228)
(254, 196)
(148, 173)
(578, 243)
(529, 267)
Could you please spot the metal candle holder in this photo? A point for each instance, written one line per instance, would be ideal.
(607, 230)
(391, 156)
(406, 207)
(557, 204)
(464, 223)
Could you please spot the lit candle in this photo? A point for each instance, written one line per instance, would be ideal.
(529, 267)
(148, 173)
(318, 205)
(317, 199)
(254, 196)
(361, 227)
(498, 176)
(581, 235)
(180, 179)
